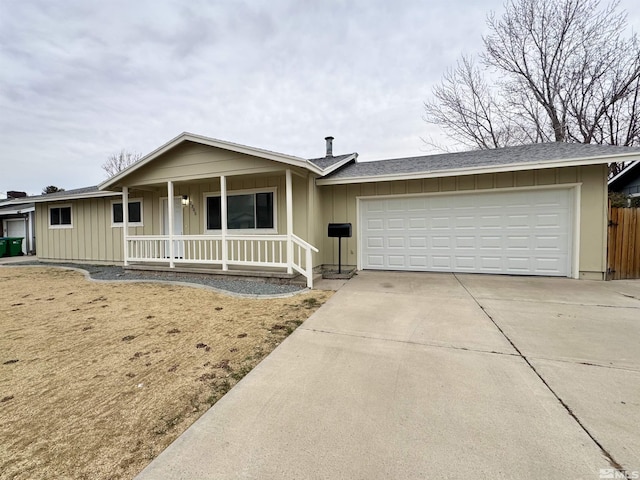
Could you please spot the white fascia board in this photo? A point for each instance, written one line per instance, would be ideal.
(75, 196)
(212, 142)
(17, 211)
(623, 172)
(479, 170)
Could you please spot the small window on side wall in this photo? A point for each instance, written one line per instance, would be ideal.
(60, 217)
(135, 214)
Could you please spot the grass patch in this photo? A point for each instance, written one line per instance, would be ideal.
(97, 379)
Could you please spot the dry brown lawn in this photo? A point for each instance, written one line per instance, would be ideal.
(96, 379)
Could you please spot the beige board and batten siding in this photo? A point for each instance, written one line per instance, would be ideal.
(194, 216)
(339, 204)
(91, 238)
(190, 161)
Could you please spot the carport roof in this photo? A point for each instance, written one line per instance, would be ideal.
(524, 157)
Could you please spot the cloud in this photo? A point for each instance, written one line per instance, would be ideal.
(82, 80)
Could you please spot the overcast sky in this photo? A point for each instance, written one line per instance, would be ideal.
(81, 79)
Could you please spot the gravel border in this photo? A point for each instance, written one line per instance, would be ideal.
(238, 288)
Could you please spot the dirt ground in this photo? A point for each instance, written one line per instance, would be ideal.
(96, 379)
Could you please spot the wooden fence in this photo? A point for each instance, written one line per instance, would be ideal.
(623, 253)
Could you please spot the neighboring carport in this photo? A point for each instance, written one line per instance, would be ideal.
(418, 375)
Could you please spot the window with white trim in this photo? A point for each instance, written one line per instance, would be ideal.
(248, 211)
(60, 217)
(135, 213)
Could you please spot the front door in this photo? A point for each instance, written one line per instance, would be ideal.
(178, 246)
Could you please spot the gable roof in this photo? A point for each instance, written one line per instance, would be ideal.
(213, 142)
(624, 176)
(329, 164)
(523, 157)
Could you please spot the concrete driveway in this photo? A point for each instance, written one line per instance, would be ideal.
(404, 375)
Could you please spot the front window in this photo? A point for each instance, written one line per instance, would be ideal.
(60, 217)
(245, 211)
(135, 213)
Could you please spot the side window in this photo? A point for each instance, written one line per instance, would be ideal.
(135, 213)
(60, 217)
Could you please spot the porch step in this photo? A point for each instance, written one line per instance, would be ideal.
(265, 276)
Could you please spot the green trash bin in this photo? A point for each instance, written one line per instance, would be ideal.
(3, 247)
(14, 246)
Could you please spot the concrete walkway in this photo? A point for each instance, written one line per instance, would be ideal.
(405, 375)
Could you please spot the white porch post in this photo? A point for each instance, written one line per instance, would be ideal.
(223, 221)
(170, 215)
(125, 223)
(289, 201)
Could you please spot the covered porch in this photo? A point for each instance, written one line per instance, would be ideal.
(212, 236)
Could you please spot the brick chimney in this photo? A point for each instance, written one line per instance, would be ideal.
(13, 194)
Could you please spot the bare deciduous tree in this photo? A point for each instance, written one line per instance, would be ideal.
(119, 161)
(551, 70)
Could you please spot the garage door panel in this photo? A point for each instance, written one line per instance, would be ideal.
(396, 242)
(440, 223)
(395, 224)
(465, 263)
(418, 261)
(518, 232)
(417, 223)
(375, 224)
(375, 242)
(396, 261)
(418, 242)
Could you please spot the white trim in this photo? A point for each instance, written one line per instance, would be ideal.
(554, 186)
(170, 207)
(212, 142)
(130, 224)
(223, 222)
(60, 227)
(247, 231)
(125, 222)
(17, 211)
(575, 235)
(517, 167)
(31, 224)
(72, 196)
(574, 242)
(622, 173)
(289, 207)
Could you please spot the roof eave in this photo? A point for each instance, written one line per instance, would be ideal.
(624, 172)
(74, 196)
(478, 170)
(212, 142)
(17, 211)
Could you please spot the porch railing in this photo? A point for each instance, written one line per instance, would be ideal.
(242, 250)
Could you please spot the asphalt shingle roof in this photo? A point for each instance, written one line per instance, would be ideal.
(326, 162)
(64, 193)
(539, 152)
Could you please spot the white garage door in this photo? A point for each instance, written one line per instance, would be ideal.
(518, 232)
(16, 228)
